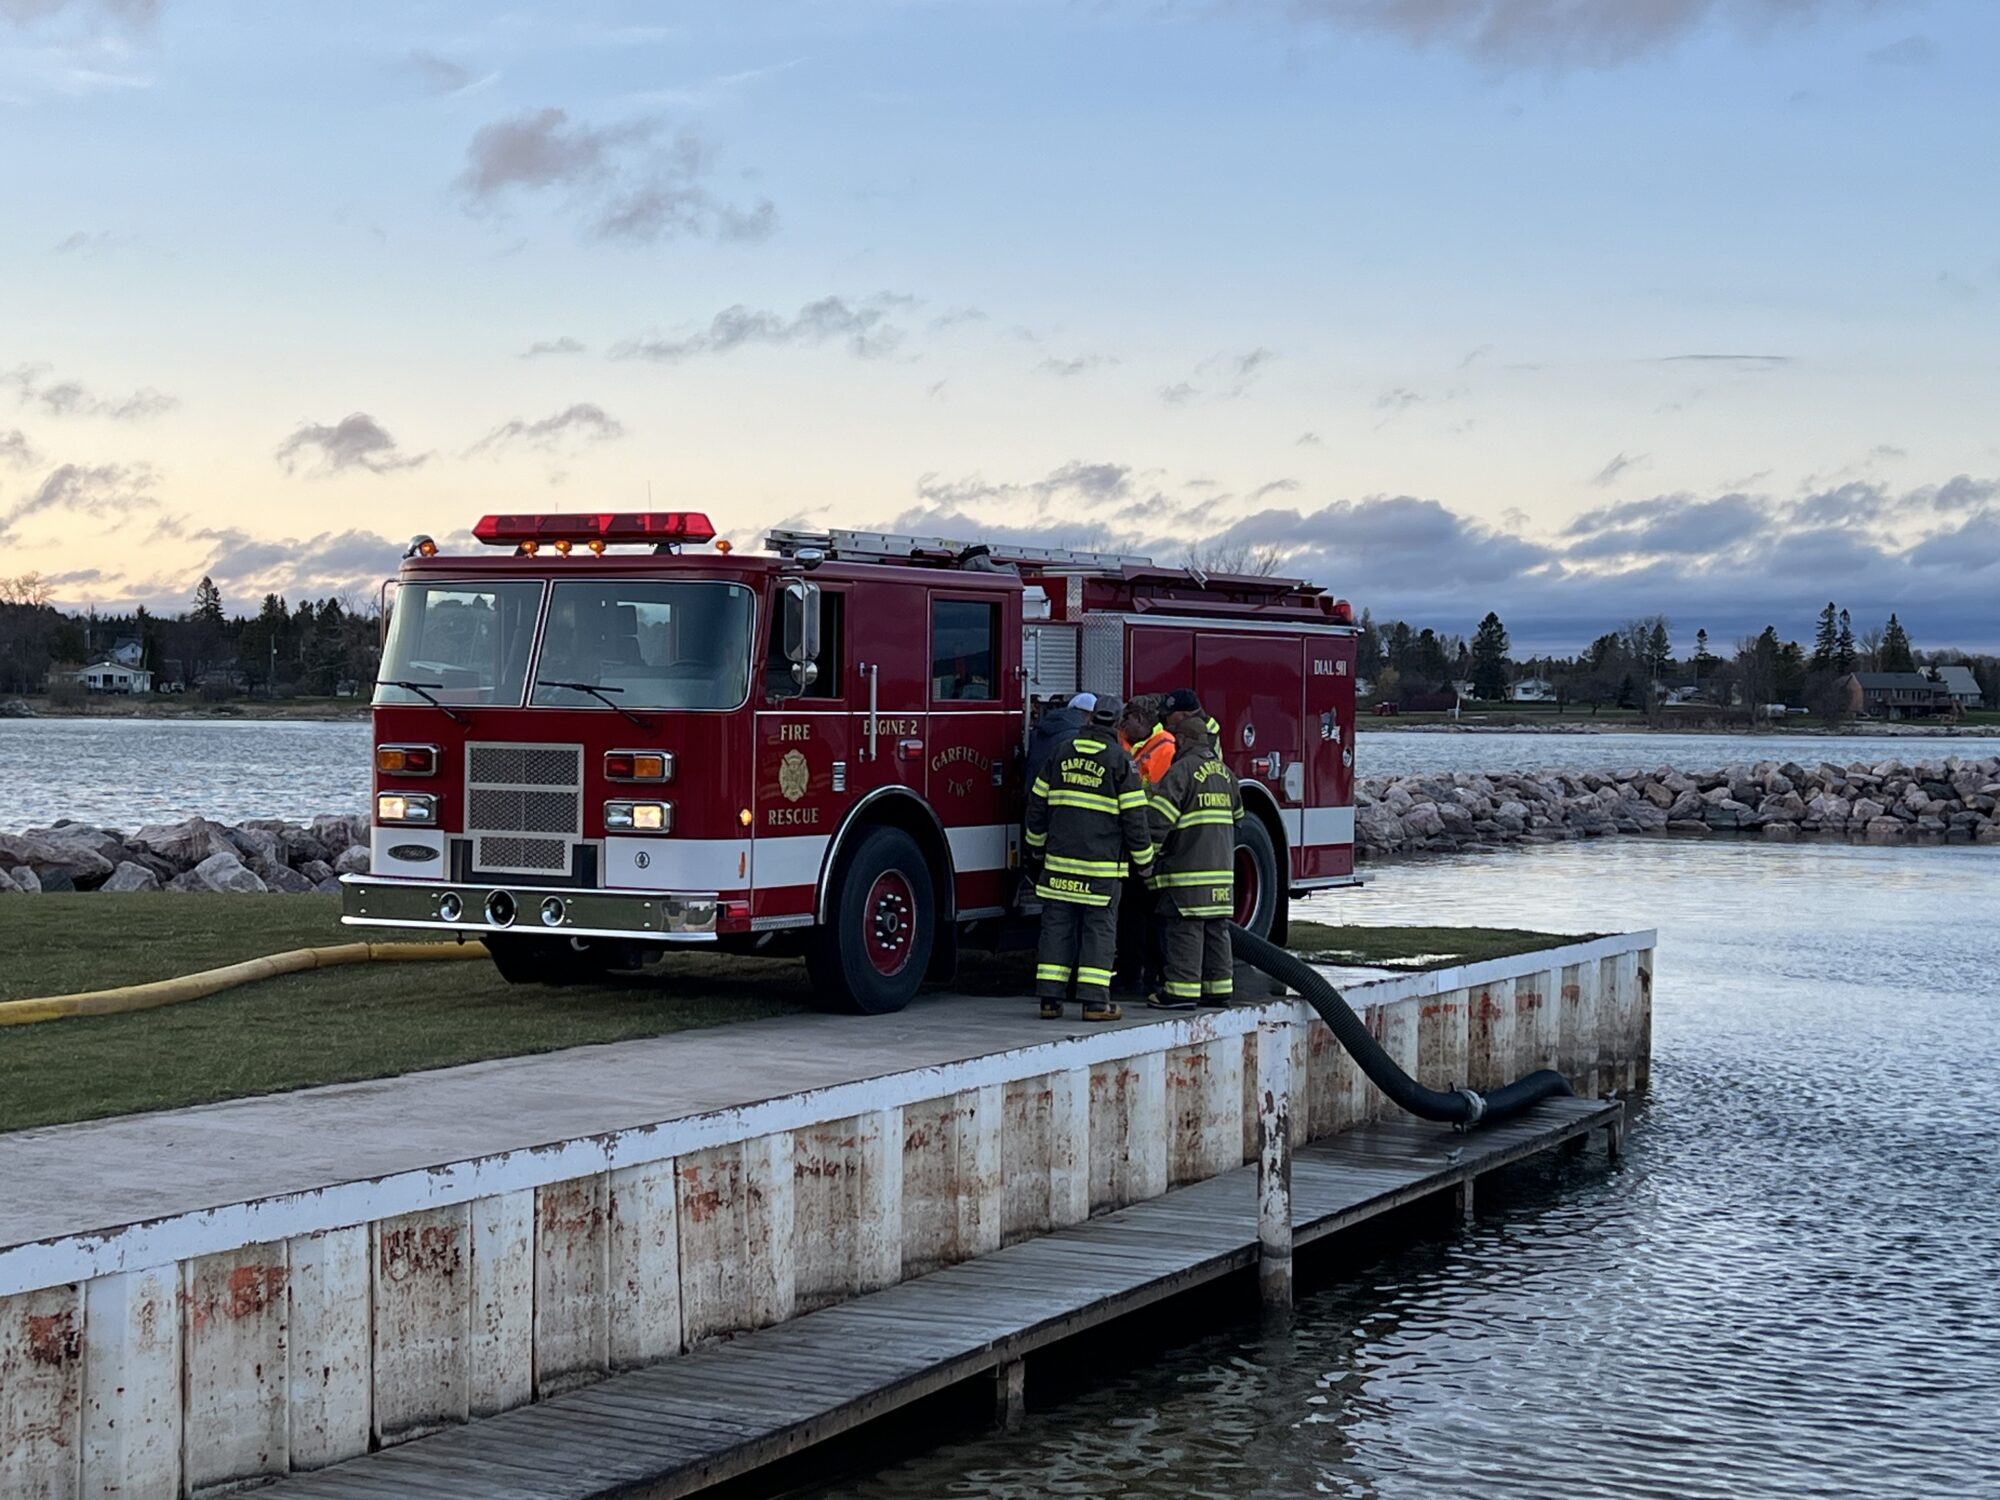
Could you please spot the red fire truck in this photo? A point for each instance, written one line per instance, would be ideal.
(611, 734)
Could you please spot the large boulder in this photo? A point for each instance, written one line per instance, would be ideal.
(336, 832)
(131, 877)
(69, 864)
(224, 872)
(1867, 810)
(1421, 822)
(25, 880)
(185, 844)
(353, 860)
(1885, 828)
(317, 870)
(1687, 807)
(1375, 828)
(290, 881)
(258, 847)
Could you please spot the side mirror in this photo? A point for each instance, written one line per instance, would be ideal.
(805, 674)
(801, 630)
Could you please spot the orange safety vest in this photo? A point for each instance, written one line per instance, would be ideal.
(1154, 756)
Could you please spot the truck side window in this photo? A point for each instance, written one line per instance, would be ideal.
(963, 661)
(778, 679)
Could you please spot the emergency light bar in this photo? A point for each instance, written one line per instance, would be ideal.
(622, 526)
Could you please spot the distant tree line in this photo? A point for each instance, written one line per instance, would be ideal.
(1636, 666)
(313, 648)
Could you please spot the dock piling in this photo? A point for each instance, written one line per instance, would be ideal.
(1274, 1163)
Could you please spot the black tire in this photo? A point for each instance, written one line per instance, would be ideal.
(1254, 845)
(872, 954)
(522, 959)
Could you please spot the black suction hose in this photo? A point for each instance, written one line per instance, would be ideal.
(1461, 1107)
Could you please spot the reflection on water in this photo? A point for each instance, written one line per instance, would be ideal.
(1417, 753)
(125, 772)
(1787, 1288)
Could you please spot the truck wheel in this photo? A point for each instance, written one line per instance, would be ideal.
(1260, 892)
(542, 960)
(872, 954)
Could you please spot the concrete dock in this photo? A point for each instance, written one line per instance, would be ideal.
(205, 1297)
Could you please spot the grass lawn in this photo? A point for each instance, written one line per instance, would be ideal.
(374, 1020)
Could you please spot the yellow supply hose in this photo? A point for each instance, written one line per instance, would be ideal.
(210, 981)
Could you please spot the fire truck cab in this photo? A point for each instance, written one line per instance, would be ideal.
(606, 737)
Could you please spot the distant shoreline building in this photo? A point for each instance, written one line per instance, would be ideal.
(1896, 695)
(110, 676)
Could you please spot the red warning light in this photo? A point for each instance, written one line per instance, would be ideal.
(622, 526)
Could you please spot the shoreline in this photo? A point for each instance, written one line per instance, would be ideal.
(1950, 800)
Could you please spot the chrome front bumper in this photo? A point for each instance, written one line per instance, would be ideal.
(673, 916)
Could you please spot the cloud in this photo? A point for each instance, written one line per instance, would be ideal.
(1082, 364)
(1910, 52)
(1396, 400)
(104, 492)
(1223, 377)
(16, 450)
(573, 427)
(1619, 465)
(631, 181)
(1730, 562)
(564, 345)
(357, 441)
(863, 326)
(88, 246)
(443, 76)
(69, 398)
(1178, 394)
(1553, 35)
(1309, 440)
(1764, 361)
(126, 13)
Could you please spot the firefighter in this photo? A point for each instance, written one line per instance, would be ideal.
(1086, 824)
(1151, 742)
(1194, 812)
(1055, 728)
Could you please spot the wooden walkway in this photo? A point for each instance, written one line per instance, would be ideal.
(726, 1409)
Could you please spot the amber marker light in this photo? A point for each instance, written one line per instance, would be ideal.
(597, 545)
(744, 817)
(563, 546)
(724, 547)
(638, 765)
(406, 760)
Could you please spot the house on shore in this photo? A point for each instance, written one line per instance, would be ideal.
(110, 676)
(1895, 695)
(1532, 690)
(1960, 684)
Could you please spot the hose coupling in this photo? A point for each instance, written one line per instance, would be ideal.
(1476, 1102)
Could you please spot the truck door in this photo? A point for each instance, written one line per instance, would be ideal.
(1250, 685)
(805, 748)
(974, 725)
(1326, 842)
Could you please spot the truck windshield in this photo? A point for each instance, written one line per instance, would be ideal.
(465, 642)
(646, 645)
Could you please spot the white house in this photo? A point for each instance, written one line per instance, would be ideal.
(1960, 684)
(111, 677)
(1532, 690)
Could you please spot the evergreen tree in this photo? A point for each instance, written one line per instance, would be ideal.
(1844, 654)
(1896, 648)
(1368, 649)
(207, 603)
(1826, 640)
(1489, 659)
(1704, 664)
(1659, 650)
(1789, 676)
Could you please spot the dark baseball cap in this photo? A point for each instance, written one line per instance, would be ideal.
(1180, 701)
(1107, 710)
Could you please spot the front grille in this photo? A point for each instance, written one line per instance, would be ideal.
(505, 852)
(521, 811)
(526, 765)
(524, 806)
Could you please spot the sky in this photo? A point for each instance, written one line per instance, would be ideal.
(1568, 310)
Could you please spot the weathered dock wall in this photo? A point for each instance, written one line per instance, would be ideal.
(182, 1354)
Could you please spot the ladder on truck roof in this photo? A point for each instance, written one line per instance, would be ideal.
(893, 547)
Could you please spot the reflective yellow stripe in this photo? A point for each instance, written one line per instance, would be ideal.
(1087, 746)
(1143, 858)
(1041, 786)
(1198, 819)
(1207, 911)
(1092, 976)
(1056, 972)
(1071, 898)
(1182, 991)
(1194, 877)
(1037, 839)
(1217, 986)
(1060, 864)
(1133, 798)
(1094, 801)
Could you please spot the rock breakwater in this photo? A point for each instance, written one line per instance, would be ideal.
(1949, 801)
(263, 854)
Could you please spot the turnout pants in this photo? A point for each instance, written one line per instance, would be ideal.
(1078, 945)
(1199, 962)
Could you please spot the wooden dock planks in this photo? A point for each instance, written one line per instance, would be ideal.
(724, 1410)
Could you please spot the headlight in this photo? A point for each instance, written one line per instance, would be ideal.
(639, 817)
(406, 807)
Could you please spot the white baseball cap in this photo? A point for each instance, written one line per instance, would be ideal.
(1084, 701)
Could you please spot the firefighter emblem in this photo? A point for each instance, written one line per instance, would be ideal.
(793, 774)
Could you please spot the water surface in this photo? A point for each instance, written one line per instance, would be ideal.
(1791, 1285)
